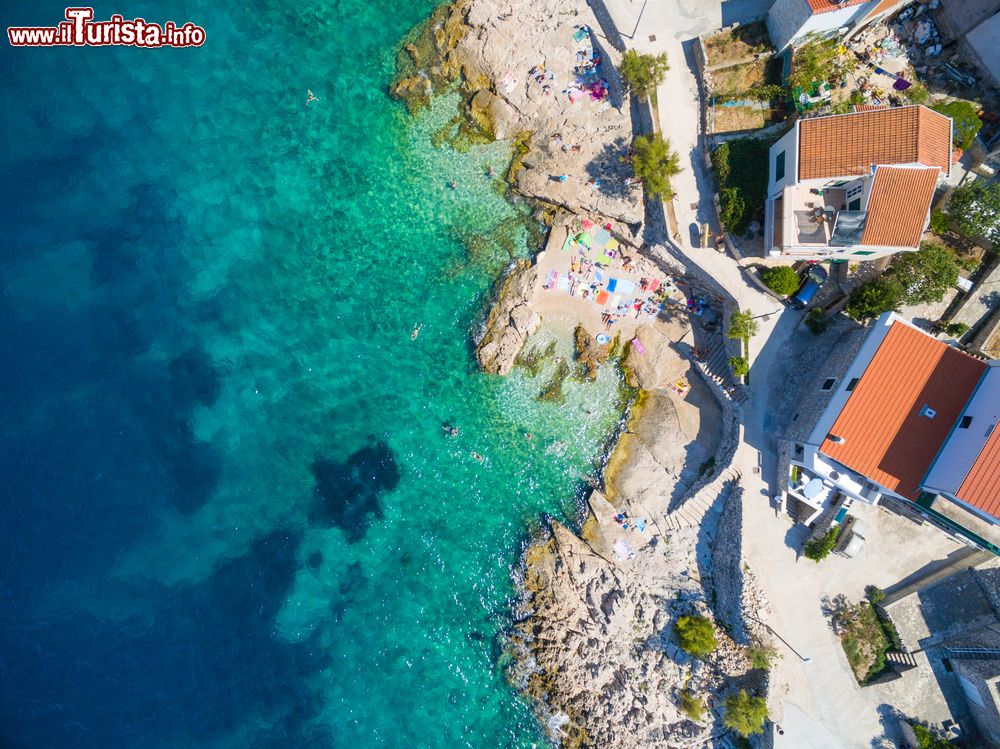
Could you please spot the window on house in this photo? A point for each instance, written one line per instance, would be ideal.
(779, 167)
(927, 411)
(829, 383)
(965, 423)
(853, 384)
(865, 252)
(854, 205)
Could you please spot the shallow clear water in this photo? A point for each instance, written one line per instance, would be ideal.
(231, 516)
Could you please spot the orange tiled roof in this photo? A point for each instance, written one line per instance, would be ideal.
(881, 7)
(849, 144)
(869, 107)
(825, 6)
(885, 437)
(898, 205)
(981, 486)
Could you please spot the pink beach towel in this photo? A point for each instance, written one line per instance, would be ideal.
(654, 284)
(638, 345)
(553, 278)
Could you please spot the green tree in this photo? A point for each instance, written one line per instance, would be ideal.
(975, 210)
(940, 223)
(874, 593)
(781, 279)
(965, 121)
(739, 365)
(874, 297)
(742, 326)
(925, 275)
(696, 635)
(643, 73)
(654, 163)
(917, 94)
(691, 706)
(745, 714)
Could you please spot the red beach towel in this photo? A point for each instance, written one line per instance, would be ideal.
(602, 297)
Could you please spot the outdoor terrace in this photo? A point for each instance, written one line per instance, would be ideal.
(816, 218)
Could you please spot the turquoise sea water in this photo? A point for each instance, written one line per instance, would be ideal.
(231, 517)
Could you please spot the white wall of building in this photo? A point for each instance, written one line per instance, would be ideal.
(824, 24)
(789, 145)
(964, 445)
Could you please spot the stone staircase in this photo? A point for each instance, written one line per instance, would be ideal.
(983, 654)
(693, 510)
(715, 365)
(900, 660)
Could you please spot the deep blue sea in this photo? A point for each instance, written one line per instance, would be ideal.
(230, 516)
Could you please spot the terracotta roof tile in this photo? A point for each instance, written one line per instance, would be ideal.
(885, 437)
(849, 144)
(869, 107)
(881, 8)
(898, 205)
(825, 6)
(981, 486)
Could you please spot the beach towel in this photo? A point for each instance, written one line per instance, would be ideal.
(654, 284)
(508, 82)
(605, 258)
(616, 300)
(625, 286)
(552, 279)
(587, 224)
(580, 34)
(612, 244)
(598, 276)
(637, 345)
(568, 244)
(583, 238)
(601, 237)
(623, 550)
(613, 284)
(563, 283)
(602, 297)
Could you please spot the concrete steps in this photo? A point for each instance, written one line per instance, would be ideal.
(900, 660)
(715, 365)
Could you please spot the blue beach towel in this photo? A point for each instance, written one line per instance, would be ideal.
(613, 284)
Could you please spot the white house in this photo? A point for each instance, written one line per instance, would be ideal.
(855, 186)
(791, 21)
(913, 420)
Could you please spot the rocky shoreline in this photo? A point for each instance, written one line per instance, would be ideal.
(593, 645)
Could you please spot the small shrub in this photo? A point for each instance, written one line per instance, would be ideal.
(927, 739)
(956, 329)
(974, 209)
(940, 223)
(742, 326)
(762, 656)
(696, 635)
(917, 94)
(720, 163)
(739, 365)
(817, 321)
(820, 547)
(745, 714)
(875, 594)
(691, 706)
(781, 279)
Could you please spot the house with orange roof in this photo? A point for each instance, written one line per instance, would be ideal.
(792, 21)
(910, 421)
(855, 186)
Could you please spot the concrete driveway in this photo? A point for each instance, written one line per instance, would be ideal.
(681, 19)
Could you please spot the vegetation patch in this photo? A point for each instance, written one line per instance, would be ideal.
(920, 277)
(737, 44)
(691, 705)
(965, 121)
(762, 656)
(737, 119)
(696, 635)
(820, 61)
(817, 321)
(866, 636)
(741, 170)
(974, 210)
(553, 388)
(739, 365)
(742, 326)
(534, 360)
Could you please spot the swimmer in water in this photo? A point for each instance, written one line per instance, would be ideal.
(529, 436)
(453, 185)
(311, 97)
(416, 331)
(450, 430)
(477, 456)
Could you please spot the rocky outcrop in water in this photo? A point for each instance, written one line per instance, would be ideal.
(511, 320)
